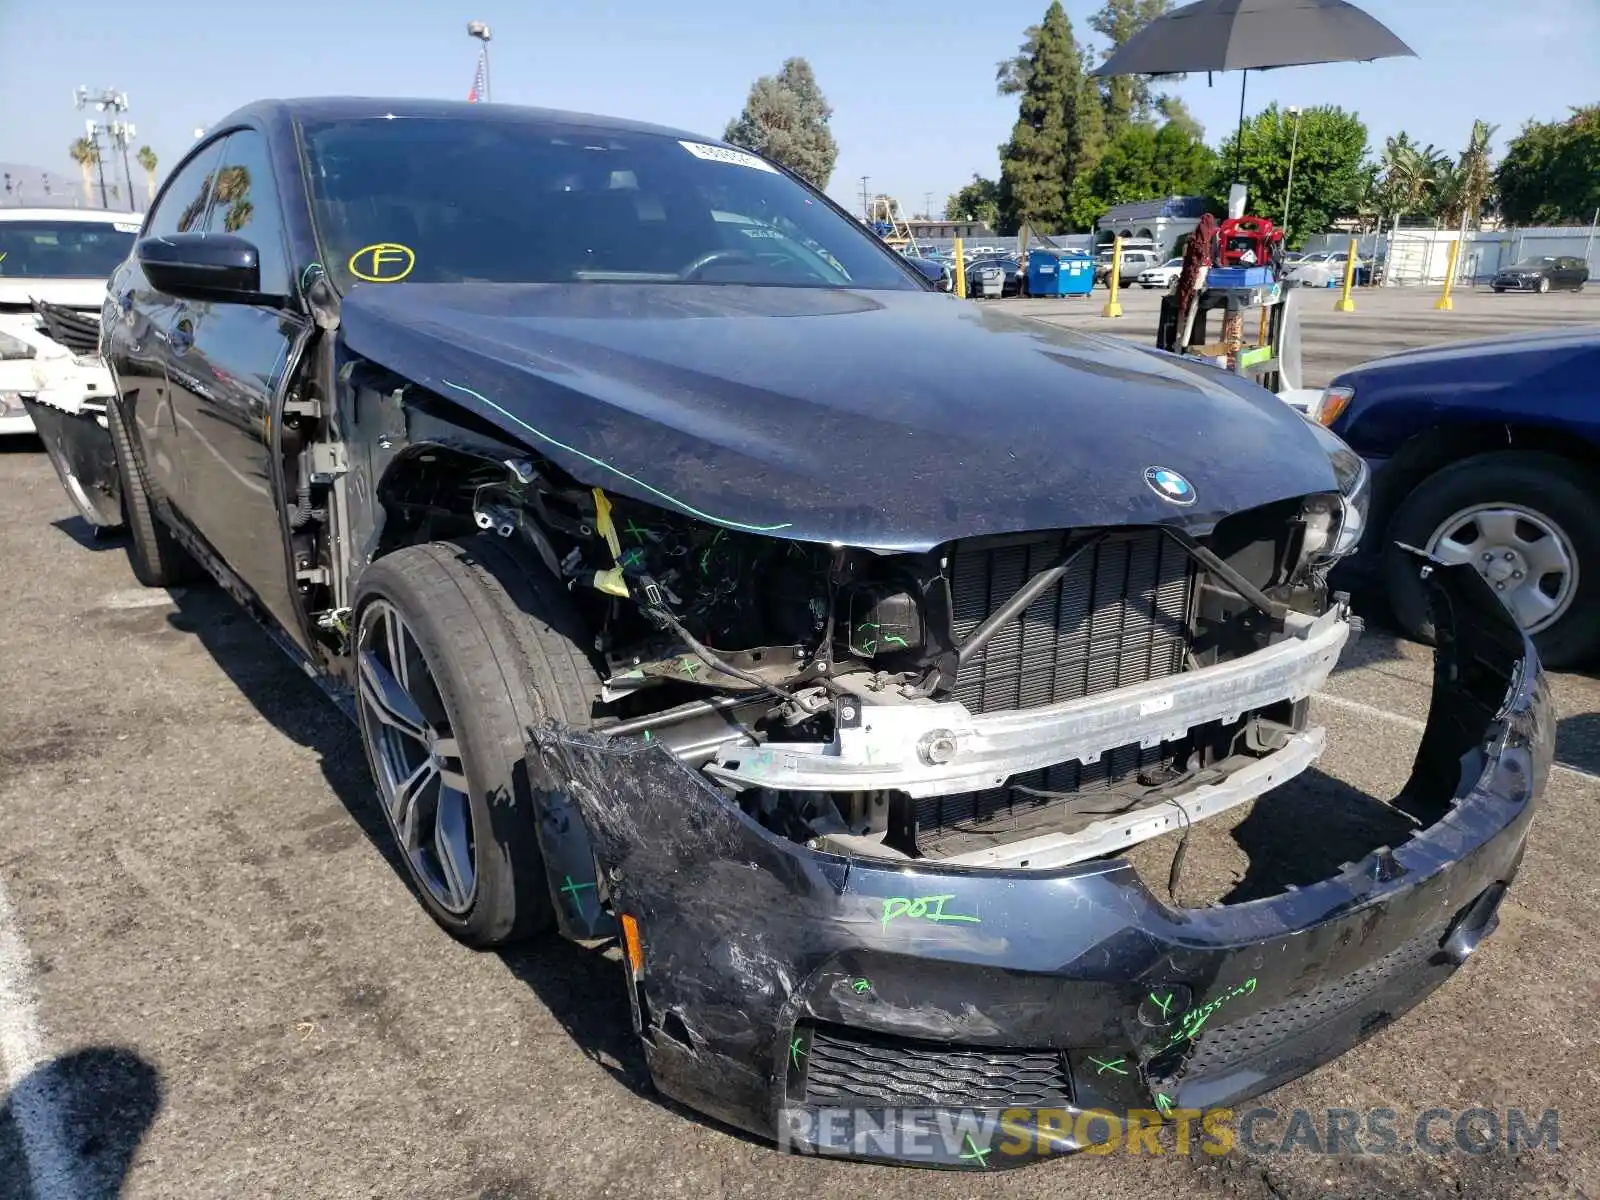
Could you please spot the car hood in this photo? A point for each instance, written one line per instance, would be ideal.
(1460, 360)
(84, 294)
(895, 420)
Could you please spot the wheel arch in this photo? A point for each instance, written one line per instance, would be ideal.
(1432, 450)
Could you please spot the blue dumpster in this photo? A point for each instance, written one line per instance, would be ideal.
(1060, 273)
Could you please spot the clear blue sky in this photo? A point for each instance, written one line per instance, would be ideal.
(911, 82)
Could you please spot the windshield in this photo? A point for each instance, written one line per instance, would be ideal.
(64, 249)
(1533, 264)
(457, 200)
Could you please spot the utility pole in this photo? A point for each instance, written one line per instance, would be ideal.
(119, 133)
(866, 204)
(479, 30)
(927, 205)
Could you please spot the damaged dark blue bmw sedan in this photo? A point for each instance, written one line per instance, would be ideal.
(701, 578)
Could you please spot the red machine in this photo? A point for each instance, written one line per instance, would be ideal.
(1248, 242)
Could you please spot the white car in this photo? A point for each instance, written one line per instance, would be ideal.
(1163, 276)
(53, 268)
(1320, 270)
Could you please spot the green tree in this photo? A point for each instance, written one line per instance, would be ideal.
(1146, 162)
(86, 154)
(1128, 98)
(1551, 171)
(978, 201)
(1330, 172)
(1059, 132)
(147, 160)
(1411, 178)
(1474, 190)
(786, 118)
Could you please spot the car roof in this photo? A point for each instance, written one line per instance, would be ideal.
(355, 108)
(89, 216)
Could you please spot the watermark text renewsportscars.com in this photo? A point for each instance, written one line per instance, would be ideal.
(983, 1138)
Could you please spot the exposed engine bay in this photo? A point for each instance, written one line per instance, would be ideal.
(1021, 701)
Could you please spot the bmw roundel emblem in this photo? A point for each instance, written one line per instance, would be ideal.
(1169, 485)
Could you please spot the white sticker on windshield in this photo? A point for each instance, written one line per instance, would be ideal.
(125, 227)
(721, 154)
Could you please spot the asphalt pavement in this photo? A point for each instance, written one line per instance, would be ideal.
(214, 982)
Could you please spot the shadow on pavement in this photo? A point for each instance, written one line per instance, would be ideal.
(1307, 831)
(1578, 742)
(81, 1116)
(91, 537)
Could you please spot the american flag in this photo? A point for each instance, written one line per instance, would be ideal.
(480, 82)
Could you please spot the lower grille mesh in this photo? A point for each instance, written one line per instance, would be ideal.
(855, 1067)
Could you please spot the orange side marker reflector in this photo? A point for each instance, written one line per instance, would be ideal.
(631, 943)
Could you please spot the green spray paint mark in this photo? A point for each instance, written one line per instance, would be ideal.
(631, 557)
(972, 1153)
(573, 891)
(1113, 1065)
(1164, 1003)
(633, 531)
(927, 908)
(705, 555)
(891, 639)
(862, 985)
(1163, 1103)
(689, 666)
(310, 267)
(647, 735)
(797, 1049)
(1195, 1018)
(618, 472)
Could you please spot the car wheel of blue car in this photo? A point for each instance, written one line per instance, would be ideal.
(1530, 524)
(460, 648)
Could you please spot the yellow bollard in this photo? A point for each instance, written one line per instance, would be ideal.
(1444, 303)
(961, 270)
(1345, 304)
(1112, 308)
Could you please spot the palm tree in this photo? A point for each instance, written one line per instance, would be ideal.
(86, 154)
(147, 160)
(1475, 174)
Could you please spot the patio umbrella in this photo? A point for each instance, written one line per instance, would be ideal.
(1253, 35)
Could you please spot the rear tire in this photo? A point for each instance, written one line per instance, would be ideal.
(501, 646)
(1542, 483)
(154, 553)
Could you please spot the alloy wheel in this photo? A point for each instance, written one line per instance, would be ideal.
(416, 760)
(1525, 556)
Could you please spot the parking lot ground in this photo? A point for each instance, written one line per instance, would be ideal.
(213, 981)
(1385, 320)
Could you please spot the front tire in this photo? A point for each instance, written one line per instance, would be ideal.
(1544, 286)
(1539, 509)
(460, 647)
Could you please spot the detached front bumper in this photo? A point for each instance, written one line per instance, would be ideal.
(831, 1001)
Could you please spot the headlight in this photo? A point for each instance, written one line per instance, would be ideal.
(1334, 524)
(1330, 406)
(12, 347)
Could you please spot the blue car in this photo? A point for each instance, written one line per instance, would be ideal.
(1485, 452)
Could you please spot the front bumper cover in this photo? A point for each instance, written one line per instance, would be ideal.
(759, 954)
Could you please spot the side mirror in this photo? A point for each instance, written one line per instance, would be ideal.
(204, 266)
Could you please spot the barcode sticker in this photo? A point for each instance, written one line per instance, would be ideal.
(721, 154)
